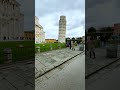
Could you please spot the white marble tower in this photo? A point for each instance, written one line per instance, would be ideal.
(62, 29)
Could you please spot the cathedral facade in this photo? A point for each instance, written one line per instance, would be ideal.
(39, 33)
(11, 21)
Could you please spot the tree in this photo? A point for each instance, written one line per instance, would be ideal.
(91, 30)
(73, 39)
(67, 39)
(79, 40)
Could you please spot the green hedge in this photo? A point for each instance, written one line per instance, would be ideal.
(18, 53)
(17, 43)
(46, 46)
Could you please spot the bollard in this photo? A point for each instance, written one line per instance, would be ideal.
(59, 46)
(51, 47)
(21, 46)
(7, 55)
(38, 48)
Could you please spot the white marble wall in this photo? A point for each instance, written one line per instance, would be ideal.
(39, 33)
(11, 20)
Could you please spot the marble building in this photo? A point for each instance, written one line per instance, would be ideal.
(39, 33)
(11, 21)
(62, 29)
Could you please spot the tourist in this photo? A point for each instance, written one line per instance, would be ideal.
(91, 47)
(70, 44)
(73, 46)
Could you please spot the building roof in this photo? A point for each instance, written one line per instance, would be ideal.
(50, 39)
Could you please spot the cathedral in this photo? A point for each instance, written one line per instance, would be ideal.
(39, 33)
(11, 21)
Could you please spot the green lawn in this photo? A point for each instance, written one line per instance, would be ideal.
(47, 46)
(16, 44)
(18, 53)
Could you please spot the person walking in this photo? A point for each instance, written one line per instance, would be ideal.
(91, 47)
(70, 44)
(73, 46)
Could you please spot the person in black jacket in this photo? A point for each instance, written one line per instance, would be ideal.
(70, 44)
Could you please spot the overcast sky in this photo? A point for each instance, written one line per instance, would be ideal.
(102, 12)
(98, 13)
(28, 9)
(49, 12)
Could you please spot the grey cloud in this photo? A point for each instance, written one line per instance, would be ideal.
(106, 15)
(48, 7)
(76, 24)
(93, 3)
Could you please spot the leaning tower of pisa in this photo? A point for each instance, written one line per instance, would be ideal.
(62, 29)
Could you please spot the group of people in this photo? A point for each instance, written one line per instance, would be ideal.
(90, 46)
(71, 45)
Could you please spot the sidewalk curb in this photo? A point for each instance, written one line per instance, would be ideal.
(55, 66)
(101, 68)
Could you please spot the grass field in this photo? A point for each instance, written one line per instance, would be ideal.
(16, 44)
(47, 46)
(18, 53)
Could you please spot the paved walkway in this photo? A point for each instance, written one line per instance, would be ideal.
(71, 77)
(46, 61)
(20, 76)
(101, 60)
(17, 76)
(109, 81)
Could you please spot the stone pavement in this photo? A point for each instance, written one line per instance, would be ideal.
(68, 76)
(108, 79)
(46, 61)
(101, 60)
(17, 76)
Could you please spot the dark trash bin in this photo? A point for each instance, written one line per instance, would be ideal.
(111, 51)
(81, 47)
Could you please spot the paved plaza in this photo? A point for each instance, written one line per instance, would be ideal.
(46, 61)
(70, 76)
(106, 79)
(101, 60)
(18, 76)
(102, 79)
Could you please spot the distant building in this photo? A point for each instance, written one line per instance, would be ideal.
(62, 29)
(29, 35)
(50, 40)
(105, 31)
(39, 33)
(116, 29)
